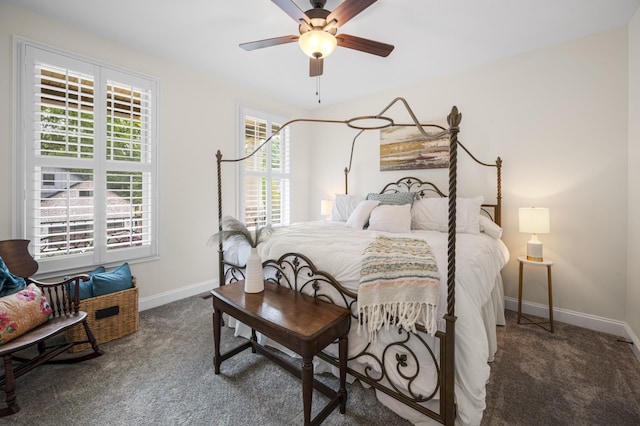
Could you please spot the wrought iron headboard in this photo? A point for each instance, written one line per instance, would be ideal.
(453, 120)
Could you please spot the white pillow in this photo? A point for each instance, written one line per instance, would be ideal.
(358, 219)
(433, 214)
(343, 206)
(490, 228)
(391, 218)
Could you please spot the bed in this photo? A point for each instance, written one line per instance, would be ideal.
(424, 372)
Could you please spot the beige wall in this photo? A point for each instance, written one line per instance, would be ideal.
(558, 118)
(633, 253)
(197, 115)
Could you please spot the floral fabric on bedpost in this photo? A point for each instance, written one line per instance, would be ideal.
(399, 286)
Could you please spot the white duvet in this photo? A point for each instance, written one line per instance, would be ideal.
(337, 249)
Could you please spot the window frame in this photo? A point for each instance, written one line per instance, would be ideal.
(286, 138)
(26, 54)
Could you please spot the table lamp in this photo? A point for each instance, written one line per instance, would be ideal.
(534, 220)
(325, 208)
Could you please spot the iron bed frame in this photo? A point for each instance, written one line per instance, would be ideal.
(298, 272)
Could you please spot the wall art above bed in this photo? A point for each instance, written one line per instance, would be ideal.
(405, 148)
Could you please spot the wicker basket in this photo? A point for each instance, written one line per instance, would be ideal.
(110, 317)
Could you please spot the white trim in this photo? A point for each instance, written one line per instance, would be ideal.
(17, 195)
(27, 51)
(592, 322)
(175, 295)
(269, 118)
(579, 319)
(635, 347)
(81, 57)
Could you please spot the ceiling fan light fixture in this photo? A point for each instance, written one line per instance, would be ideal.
(317, 43)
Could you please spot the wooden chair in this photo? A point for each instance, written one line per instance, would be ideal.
(65, 315)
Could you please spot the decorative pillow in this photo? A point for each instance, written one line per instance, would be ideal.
(433, 213)
(9, 283)
(343, 206)
(394, 198)
(116, 280)
(21, 312)
(391, 218)
(360, 215)
(490, 228)
(86, 287)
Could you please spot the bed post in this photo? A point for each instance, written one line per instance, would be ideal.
(498, 212)
(220, 252)
(453, 119)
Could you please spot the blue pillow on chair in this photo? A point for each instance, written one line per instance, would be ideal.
(9, 283)
(86, 287)
(109, 282)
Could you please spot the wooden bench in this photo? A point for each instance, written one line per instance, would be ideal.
(298, 322)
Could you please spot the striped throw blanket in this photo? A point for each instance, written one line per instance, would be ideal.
(399, 286)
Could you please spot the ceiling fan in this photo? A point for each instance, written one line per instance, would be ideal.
(318, 29)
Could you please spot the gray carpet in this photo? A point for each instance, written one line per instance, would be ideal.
(574, 376)
(163, 375)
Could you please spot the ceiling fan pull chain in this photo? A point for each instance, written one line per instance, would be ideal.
(318, 88)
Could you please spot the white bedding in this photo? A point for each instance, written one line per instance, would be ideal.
(335, 248)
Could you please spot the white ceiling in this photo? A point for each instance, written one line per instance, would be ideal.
(431, 37)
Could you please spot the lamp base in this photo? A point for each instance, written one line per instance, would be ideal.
(534, 250)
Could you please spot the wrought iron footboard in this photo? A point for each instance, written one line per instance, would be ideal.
(395, 369)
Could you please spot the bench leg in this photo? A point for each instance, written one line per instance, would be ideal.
(254, 338)
(217, 314)
(342, 348)
(9, 388)
(307, 388)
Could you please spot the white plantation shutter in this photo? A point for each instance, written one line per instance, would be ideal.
(265, 191)
(64, 222)
(89, 142)
(130, 164)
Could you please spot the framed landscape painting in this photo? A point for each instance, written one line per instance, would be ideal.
(405, 148)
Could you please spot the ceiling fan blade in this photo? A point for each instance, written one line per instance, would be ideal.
(364, 45)
(259, 44)
(315, 67)
(292, 9)
(348, 9)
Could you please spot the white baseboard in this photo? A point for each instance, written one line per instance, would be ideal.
(636, 342)
(592, 322)
(174, 295)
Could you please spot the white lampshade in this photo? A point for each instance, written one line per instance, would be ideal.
(325, 207)
(317, 43)
(534, 220)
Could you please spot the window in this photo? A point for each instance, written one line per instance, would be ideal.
(265, 181)
(87, 134)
